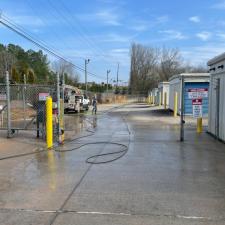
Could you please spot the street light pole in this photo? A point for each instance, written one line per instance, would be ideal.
(108, 71)
(86, 86)
(117, 75)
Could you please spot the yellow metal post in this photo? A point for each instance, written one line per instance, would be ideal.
(160, 98)
(49, 123)
(199, 125)
(175, 104)
(165, 100)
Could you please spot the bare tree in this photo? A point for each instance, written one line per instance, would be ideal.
(143, 74)
(151, 65)
(67, 69)
(7, 61)
(170, 63)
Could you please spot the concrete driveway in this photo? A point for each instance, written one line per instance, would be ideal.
(159, 180)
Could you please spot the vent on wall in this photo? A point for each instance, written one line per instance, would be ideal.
(220, 67)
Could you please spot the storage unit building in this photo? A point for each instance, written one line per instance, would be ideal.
(217, 97)
(164, 88)
(192, 81)
(155, 95)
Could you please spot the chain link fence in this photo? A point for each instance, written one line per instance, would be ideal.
(22, 107)
(28, 106)
(3, 107)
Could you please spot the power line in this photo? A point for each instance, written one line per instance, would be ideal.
(40, 44)
(87, 40)
(35, 11)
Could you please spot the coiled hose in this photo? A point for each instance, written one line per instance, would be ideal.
(92, 159)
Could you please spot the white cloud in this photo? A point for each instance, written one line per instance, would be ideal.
(121, 50)
(202, 54)
(27, 20)
(219, 5)
(108, 17)
(105, 16)
(221, 36)
(143, 25)
(114, 37)
(173, 34)
(204, 36)
(162, 19)
(195, 19)
(139, 25)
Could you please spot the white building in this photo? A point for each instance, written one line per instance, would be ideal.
(155, 95)
(164, 88)
(217, 97)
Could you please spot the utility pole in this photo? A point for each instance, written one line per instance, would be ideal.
(117, 75)
(86, 86)
(108, 71)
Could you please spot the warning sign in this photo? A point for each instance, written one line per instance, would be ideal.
(43, 96)
(197, 108)
(195, 93)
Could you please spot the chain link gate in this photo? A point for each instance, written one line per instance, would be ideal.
(22, 107)
(28, 106)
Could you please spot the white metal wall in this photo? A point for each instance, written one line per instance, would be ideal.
(164, 88)
(213, 105)
(174, 86)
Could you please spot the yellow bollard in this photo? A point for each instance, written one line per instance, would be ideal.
(165, 100)
(160, 98)
(175, 104)
(49, 123)
(199, 125)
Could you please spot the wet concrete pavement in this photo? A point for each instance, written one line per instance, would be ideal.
(158, 181)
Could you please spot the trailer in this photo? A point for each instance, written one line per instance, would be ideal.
(216, 122)
(193, 83)
(163, 88)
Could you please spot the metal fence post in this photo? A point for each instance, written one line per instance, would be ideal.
(9, 132)
(24, 99)
(182, 111)
(61, 122)
(58, 104)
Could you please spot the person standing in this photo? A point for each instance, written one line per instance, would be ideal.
(94, 105)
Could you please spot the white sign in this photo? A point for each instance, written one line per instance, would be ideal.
(43, 96)
(197, 108)
(194, 93)
(2, 97)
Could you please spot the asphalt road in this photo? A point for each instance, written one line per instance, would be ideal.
(158, 181)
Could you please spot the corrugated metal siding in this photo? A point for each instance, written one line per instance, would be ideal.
(222, 107)
(188, 102)
(174, 87)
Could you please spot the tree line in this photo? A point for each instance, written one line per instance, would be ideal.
(33, 66)
(150, 65)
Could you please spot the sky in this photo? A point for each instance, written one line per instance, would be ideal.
(103, 30)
